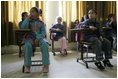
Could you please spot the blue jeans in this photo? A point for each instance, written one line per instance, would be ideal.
(104, 45)
(114, 37)
(28, 48)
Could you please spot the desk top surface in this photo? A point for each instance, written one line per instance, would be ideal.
(87, 29)
(22, 30)
(54, 31)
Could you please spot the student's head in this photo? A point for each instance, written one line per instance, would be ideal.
(59, 19)
(111, 17)
(92, 14)
(24, 15)
(35, 12)
(77, 21)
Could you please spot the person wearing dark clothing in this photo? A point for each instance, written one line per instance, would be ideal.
(60, 35)
(95, 35)
(112, 33)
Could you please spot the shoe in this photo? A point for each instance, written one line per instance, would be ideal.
(46, 69)
(107, 63)
(27, 69)
(62, 53)
(99, 65)
(65, 52)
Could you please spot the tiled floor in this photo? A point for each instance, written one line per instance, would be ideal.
(60, 67)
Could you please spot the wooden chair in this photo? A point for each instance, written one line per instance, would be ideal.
(83, 44)
(53, 40)
(19, 36)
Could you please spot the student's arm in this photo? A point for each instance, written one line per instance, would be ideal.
(85, 25)
(25, 24)
(53, 28)
(108, 24)
(42, 33)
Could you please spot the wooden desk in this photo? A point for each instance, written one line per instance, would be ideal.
(106, 28)
(19, 33)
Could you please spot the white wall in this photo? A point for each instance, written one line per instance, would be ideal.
(52, 11)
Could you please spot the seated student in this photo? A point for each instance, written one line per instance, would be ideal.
(96, 36)
(84, 18)
(24, 16)
(76, 23)
(113, 33)
(37, 35)
(60, 35)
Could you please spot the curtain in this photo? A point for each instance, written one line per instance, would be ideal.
(4, 23)
(72, 10)
(11, 16)
(17, 7)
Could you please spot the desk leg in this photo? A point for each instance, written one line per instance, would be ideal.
(77, 47)
(20, 52)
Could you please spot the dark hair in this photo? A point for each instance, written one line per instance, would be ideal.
(76, 20)
(39, 11)
(86, 16)
(109, 16)
(93, 11)
(82, 19)
(23, 14)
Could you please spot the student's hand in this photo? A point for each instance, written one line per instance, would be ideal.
(30, 16)
(101, 38)
(92, 27)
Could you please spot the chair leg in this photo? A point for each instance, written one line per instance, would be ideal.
(82, 51)
(87, 51)
(23, 68)
(53, 48)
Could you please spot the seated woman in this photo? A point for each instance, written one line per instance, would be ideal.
(96, 36)
(60, 35)
(112, 33)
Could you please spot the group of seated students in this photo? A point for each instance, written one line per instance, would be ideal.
(38, 35)
(96, 36)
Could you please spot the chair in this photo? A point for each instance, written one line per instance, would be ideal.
(19, 35)
(86, 45)
(34, 62)
(54, 40)
(83, 44)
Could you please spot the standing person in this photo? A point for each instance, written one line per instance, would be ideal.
(96, 36)
(60, 35)
(113, 33)
(38, 34)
